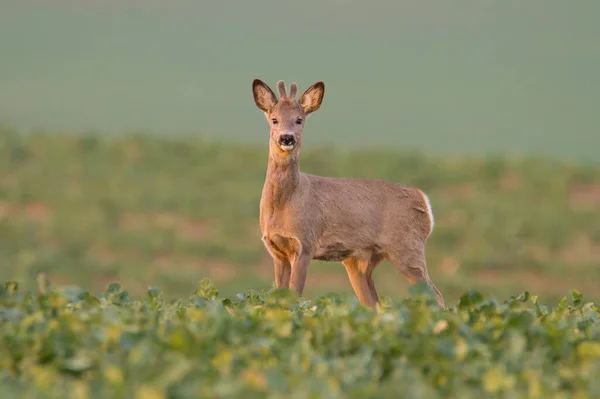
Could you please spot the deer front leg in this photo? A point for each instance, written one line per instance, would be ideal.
(299, 271)
(282, 269)
(290, 261)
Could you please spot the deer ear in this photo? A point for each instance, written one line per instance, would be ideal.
(312, 97)
(263, 95)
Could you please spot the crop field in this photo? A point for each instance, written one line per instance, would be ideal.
(131, 260)
(67, 343)
(112, 249)
(90, 210)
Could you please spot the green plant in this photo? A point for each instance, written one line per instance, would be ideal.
(64, 342)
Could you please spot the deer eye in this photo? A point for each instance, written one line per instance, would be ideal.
(298, 121)
(274, 121)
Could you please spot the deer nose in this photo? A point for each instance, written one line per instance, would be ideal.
(287, 139)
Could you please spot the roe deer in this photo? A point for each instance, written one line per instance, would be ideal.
(358, 222)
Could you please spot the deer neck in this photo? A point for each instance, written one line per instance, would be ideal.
(283, 178)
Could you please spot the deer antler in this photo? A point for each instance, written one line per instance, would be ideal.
(293, 90)
(281, 88)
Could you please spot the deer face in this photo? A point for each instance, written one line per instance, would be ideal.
(287, 115)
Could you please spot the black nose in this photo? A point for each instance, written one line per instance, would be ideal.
(287, 139)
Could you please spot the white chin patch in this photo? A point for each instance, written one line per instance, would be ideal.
(287, 147)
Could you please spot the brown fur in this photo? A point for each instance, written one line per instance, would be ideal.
(358, 222)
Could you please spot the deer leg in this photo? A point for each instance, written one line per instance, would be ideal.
(375, 260)
(411, 263)
(293, 259)
(360, 272)
(282, 269)
(299, 270)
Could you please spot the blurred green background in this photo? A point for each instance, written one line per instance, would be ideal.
(491, 107)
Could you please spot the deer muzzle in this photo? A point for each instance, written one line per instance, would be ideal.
(287, 142)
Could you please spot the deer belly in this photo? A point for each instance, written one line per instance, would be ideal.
(335, 252)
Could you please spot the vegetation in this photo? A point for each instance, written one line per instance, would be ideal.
(80, 213)
(67, 343)
(142, 210)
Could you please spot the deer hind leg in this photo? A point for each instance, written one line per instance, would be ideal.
(360, 272)
(374, 261)
(411, 263)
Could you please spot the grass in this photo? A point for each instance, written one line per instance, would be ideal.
(65, 342)
(144, 210)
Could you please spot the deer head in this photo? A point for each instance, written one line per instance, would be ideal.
(287, 115)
